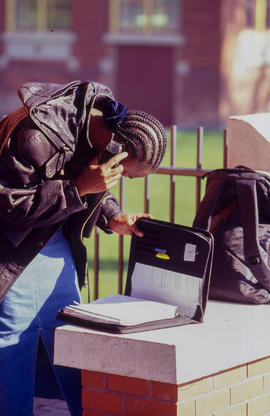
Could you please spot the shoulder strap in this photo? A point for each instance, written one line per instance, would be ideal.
(214, 188)
(207, 207)
(8, 124)
(248, 204)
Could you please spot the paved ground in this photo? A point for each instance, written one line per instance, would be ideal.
(45, 407)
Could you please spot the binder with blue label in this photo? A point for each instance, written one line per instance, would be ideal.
(167, 282)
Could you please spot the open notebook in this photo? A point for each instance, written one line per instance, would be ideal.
(167, 282)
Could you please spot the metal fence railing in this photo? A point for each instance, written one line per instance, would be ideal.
(172, 171)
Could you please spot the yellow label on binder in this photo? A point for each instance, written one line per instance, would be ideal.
(163, 256)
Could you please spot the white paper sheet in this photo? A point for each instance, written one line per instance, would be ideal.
(165, 286)
(125, 310)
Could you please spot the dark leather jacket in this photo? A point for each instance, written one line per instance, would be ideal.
(39, 161)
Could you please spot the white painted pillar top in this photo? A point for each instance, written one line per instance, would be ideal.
(231, 335)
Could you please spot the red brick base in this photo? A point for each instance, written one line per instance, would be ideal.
(241, 391)
(107, 394)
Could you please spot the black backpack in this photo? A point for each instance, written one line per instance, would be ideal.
(236, 210)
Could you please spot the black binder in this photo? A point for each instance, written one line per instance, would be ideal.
(170, 264)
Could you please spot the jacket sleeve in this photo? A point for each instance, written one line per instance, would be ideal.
(27, 201)
(48, 203)
(108, 210)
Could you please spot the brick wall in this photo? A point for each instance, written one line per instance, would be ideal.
(89, 23)
(198, 87)
(240, 391)
(204, 86)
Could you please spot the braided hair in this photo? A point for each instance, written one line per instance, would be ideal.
(143, 135)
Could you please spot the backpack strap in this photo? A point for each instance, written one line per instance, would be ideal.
(247, 199)
(8, 124)
(207, 207)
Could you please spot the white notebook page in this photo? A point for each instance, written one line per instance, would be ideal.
(165, 286)
(125, 310)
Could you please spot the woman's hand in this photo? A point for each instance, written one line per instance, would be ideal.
(125, 223)
(98, 178)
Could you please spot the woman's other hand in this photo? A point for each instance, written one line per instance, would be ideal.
(125, 223)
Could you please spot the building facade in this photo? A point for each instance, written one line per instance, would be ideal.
(188, 62)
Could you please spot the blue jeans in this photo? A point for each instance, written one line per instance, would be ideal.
(27, 323)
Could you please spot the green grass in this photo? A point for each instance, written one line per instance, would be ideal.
(159, 203)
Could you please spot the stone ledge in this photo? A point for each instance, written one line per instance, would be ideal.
(231, 335)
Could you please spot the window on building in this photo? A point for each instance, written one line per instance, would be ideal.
(258, 14)
(250, 13)
(268, 14)
(144, 16)
(37, 15)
